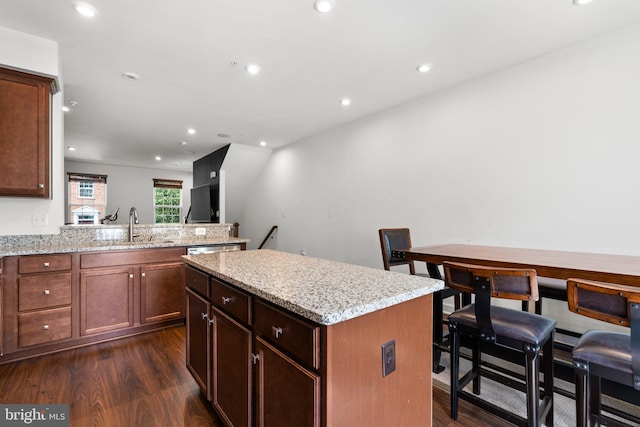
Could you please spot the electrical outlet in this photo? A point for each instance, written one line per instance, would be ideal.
(388, 357)
(40, 219)
(201, 231)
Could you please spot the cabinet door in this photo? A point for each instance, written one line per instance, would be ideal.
(161, 292)
(106, 300)
(232, 369)
(24, 132)
(198, 340)
(287, 394)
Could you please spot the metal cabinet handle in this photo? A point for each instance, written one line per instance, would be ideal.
(204, 316)
(45, 264)
(144, 274)
(45, 327)
(211, 321)
(46, 292)
(131, 276)
(40, 185)
(277, 331)
(226, 300)
(256, 358)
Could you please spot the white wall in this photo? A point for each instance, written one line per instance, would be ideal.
(542, 155)
(35, 55)
(132, 186)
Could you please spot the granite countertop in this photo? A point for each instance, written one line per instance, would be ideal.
(111, 245)
(325, 292)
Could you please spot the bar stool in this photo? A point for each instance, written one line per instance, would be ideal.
(599, 354)
(392, 239)
(508, 329)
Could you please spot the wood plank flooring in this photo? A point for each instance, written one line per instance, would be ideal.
(142, 381)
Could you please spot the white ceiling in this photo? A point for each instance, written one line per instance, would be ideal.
(367, 50)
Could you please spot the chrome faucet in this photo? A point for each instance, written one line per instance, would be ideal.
(133, 219)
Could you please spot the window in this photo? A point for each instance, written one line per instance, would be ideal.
(85, 189)
(87, 195)
(167, 201)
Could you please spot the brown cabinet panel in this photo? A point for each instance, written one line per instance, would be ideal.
(44, 263)
(198, 340)
(197, 281)
(25, 134)
(130, 257)
(161, 292)
(38, 327)
(301, 339)
(232, 370)
(44, 290)
(231, 301)
(106, 300)
(287, 394)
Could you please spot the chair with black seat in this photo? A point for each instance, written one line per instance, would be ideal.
(393, 239)
(509, 331)
(614, 356)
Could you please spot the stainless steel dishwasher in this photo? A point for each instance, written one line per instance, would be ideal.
(210, 249)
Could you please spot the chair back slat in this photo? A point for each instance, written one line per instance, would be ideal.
(603, 301)
(394, 239)
(507, 283)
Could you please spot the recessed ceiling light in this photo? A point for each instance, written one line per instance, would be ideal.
(85, 9)
(70, 148)
(183, 142)
(263, 143)
(66, 109)
(191, 131)
(345, 102)
(130, 76)
(423, 68)
(189, 152)
(323, 6)
(73, 103)
(158, 158)
(253, 69)
(581, 2)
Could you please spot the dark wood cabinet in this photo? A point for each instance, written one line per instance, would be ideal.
(25, 134)
(161, 292)
(198, 339)
(287, 394)
(55, 301)
(231, 381)
(106, 300)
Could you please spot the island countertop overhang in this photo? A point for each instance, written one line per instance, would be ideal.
(323, 291)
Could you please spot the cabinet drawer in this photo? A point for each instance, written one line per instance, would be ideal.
(231, 301)
(42, 291)
(40, 327)
(295, 336)
(197, 281)
(44, 263)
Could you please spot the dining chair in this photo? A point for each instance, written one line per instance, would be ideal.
(482, 325)
(614, 356)
(392, 239)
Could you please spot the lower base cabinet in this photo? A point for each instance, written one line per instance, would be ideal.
(106, 300)
(232, 370)
(287, 394)
(198, 340)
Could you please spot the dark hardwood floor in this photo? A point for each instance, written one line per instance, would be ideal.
(142, 381)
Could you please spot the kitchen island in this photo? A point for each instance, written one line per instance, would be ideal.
(294, 340)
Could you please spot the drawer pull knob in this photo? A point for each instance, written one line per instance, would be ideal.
(131, 276)
(46, 292)
(204, 316)
(45, 327)
(211, 321)
(45, 264)
(144, 274)
(256, 358)
(277, 331)
(226, 300)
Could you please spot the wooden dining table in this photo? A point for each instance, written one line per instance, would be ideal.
(620, 269)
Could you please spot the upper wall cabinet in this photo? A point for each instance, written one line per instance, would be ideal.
(25, 134)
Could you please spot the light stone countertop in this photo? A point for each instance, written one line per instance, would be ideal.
(325, 292)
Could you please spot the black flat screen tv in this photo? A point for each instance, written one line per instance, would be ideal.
(201, 204)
